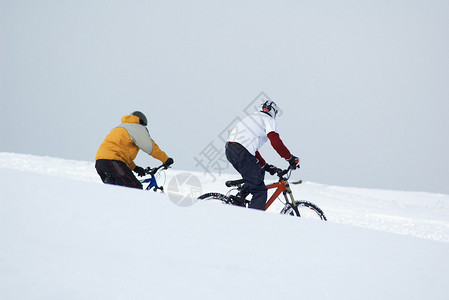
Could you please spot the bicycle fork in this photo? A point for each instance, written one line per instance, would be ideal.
(290, 193)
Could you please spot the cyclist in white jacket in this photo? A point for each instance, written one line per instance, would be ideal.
(242, 150)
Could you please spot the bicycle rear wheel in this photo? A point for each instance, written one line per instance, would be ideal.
(214, 196)
(304, 209)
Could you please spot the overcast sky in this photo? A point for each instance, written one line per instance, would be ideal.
(363, 85)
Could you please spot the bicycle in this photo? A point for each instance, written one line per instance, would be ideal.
(152, 182)
(299, 208)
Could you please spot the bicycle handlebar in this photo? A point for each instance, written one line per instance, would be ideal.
(153, 171)
(281, 173)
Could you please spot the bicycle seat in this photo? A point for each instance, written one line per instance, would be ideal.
(230, 183)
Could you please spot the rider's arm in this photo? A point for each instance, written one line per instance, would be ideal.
(278, 145)
(158, 153)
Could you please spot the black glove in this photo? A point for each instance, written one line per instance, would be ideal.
(270, 169)
(168, 162)
(140, 171)
(294, 162)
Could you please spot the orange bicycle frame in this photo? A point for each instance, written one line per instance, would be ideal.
(280, 187)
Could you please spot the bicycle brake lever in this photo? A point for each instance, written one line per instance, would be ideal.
(153, 171)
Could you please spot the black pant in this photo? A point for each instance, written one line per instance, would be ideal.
(247, 165)
(116, 172)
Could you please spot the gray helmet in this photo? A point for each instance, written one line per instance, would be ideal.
(142, 119)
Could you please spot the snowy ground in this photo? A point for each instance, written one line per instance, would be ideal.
(65, 235)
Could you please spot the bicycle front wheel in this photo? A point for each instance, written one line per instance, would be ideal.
(304, 209)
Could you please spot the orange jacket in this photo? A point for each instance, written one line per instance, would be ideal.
(120, 144)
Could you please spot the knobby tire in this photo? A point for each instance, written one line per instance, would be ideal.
(304, 209)
(214, 196)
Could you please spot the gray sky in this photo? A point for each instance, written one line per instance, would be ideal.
(363, 85)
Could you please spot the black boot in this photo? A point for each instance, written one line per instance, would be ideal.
(238, 201)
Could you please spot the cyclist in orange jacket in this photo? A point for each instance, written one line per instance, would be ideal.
(115, 157)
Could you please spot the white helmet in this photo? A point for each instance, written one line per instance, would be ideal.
(270, 108)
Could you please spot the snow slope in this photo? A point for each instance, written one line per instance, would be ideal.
(65, 235)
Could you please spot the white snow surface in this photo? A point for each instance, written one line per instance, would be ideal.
(65, 235)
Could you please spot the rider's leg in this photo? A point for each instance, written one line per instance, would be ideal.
(119, 171)
(247, 165)
(104, 176)
(244, 191)
(254, 179)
